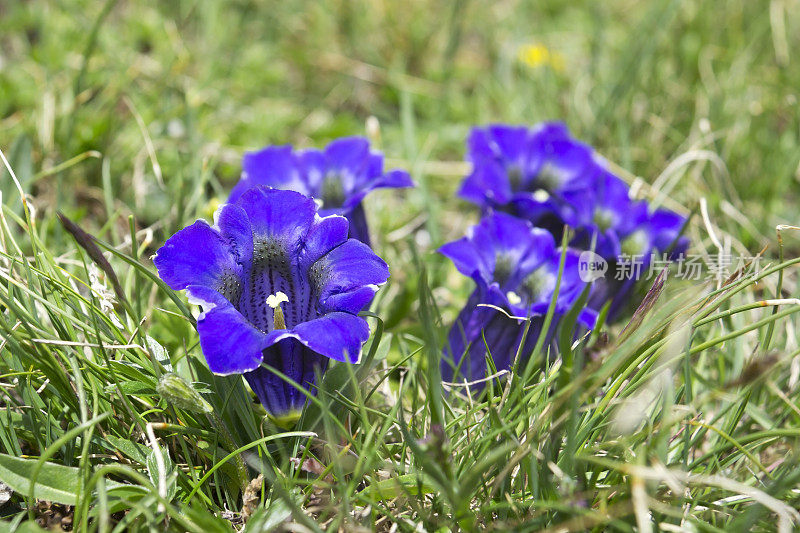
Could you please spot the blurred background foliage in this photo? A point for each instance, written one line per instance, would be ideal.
(169, 94)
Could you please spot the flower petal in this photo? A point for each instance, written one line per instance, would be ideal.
(283, 215)
(196, 255)
(614, 192)
(324, 235)
(353, 301)
(274, 166)
(348, 155)
(588, 318)
(486, 185)
(338, 336)
(466, 342)
(573, 163)
(468, 258)
(359, 229)
(608, 245)
(499, 235)
(617, 291)
(666, 227)
(356, 217)
(314, 168)
(393, 179)
(497, 142)
(570, 287)
(511, 142)
(465, 331)
(534, 207)
(526, 246)
(234, 227)
(231, 345)
(349, 266)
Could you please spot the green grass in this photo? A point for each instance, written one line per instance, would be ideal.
(131, 117)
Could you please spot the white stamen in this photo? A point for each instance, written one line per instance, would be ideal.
(541, 195)
(275, 300)
(513, 298)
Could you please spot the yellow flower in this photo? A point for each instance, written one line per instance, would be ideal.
(537, 55)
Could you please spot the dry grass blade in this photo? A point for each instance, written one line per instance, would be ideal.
(87, 242)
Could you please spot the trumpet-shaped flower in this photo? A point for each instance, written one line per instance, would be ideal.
(525, 171)
(338, 177)
(279, 285)
(515, 268)
(543, 175)
(621, 230)
(620, 226)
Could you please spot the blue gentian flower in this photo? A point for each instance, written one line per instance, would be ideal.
(515, 269)
(545, 176)
(620, 226)
(524, 170)
(338, 177)
(621, 229)
(278, 284)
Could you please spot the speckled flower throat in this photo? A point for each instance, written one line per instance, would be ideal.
(272, 273)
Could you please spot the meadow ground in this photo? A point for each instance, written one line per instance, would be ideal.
(131, 119)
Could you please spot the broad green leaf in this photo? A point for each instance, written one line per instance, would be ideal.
(159, 352)
(269, 518)
(135, 451)
(132, 387)
(23, 527)
(55, 483)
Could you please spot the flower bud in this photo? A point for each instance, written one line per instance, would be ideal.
(177, 392)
